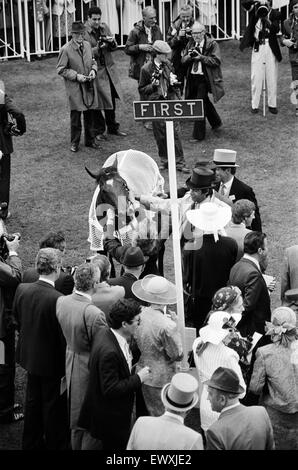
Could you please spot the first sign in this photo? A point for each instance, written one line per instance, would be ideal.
(168, 110)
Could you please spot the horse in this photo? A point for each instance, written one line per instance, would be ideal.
(124, 174)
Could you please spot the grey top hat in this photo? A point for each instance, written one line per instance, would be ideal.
(226, 380)
(180, 394)
(224, 158)
(78, 27)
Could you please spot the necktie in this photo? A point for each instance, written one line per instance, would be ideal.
(223, 190)
(196, 62)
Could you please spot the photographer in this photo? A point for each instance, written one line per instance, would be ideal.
(261, 35)
(12, 123)
(177, 37)
(290, 39)
(203, 76)
(158, 82)
(102, 42)
(10, 277)
(78, 68)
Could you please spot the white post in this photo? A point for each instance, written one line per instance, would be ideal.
(176, 237)
(264, 88)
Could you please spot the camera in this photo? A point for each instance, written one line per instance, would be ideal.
(3, 247)
(262, 9)
(104, 39)
(193, 52)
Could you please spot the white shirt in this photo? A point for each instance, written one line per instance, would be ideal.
(199, 70)
(149, 34)
(254, 260)
(227, 187)
(44, 279)
(83, 294)
(124, 347)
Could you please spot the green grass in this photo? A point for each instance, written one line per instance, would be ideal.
(51, 190)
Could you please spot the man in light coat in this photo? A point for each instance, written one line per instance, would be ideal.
(78, 68)
(99, 36)
(168, 432)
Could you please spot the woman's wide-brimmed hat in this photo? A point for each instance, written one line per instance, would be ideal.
(155, 290)
(226, 380)
(78, 27)
(214, 332)
(201, 178)
(210, 217)
(181, 393)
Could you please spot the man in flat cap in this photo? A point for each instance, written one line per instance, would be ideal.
(78, 68)
(158, 82)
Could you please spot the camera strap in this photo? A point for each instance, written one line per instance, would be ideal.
(91, 85)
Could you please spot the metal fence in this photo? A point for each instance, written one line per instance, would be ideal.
(41, 27)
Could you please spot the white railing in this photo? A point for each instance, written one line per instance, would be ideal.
(41, 27)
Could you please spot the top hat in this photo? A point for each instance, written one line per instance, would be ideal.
(132, 257)
(214, 332)
(225, 158)
(226, 380)
(155, 290)
(210, 217)
(77, 27)
(201, 178)
(161, 47)
(180, 394)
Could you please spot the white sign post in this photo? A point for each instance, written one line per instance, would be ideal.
(174, 110)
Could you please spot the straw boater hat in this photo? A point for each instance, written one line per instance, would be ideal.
(161, 47)
(180, 394)
(214, 332)
(201, 178)
(226, 380)
(155, 290)
(210, 217)
(224, 158)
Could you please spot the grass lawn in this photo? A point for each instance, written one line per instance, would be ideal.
(51, 190)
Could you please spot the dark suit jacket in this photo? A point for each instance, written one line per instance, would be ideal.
(126, 280)
(41, 345)
(256, 300)
(64, 283)
(242, 191)
(107, 407)
(248, 39)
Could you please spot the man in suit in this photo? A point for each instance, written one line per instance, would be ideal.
(41, 352)
(10, 277)
(168, 432)
(261, 35)
(238, 427)
(108, 404)
(133, 262)
(246, 274)
(64, 283)
(229, 187)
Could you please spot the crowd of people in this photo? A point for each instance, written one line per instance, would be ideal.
(102, 351)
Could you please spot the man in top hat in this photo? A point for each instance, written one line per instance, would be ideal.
(168, 432)
(230, 188)
(261, 34)
(158, 82)
(133, 262)
(208, 260)
(78, 68)
(238, 427)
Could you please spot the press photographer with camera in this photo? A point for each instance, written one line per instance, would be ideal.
(103, 45)
(178, 36)
(158, 82)
(12, 123)
(261, 35)
(10, 277)
(78, 68)
(290, 39)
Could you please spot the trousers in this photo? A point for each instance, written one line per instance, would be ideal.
(159, 132)
(76, 126)
(7, 375)
(263, 65)
(5, 178)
